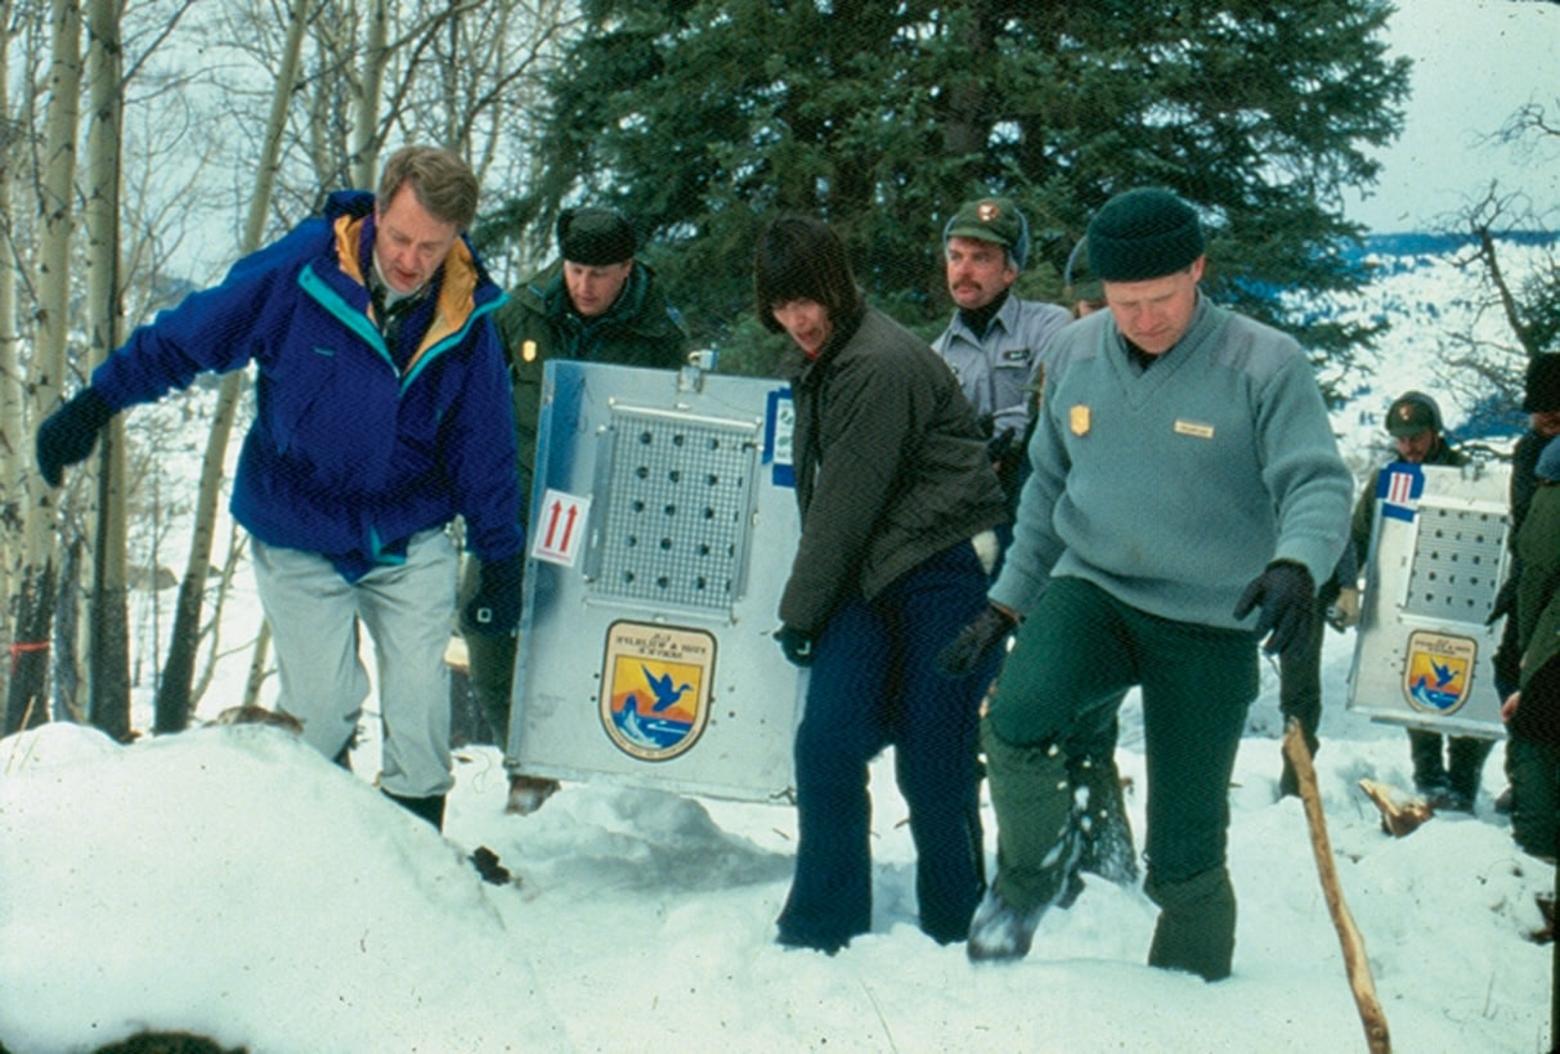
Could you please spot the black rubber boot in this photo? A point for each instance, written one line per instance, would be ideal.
(430, 808)
(1103, 827)
(1429, 770)
(1196, 928)
(1466, 769)
(1037, 851)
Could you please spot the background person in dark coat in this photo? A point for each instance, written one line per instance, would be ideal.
(1541, 400)
(1533, 712)
(893, 483)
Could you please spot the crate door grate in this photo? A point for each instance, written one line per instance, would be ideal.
(1456, 567)
(679, 493)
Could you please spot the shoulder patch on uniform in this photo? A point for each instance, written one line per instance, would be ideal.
(1078, 419)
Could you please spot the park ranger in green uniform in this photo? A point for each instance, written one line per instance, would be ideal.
(596, 303)
(1184, 475)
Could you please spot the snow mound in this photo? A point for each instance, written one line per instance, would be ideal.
(269, 870)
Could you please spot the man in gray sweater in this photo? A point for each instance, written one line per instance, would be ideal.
(1184, 476)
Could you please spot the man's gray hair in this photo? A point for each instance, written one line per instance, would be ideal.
(442, 183)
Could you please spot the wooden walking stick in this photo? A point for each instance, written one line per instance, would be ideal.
(1360, 982)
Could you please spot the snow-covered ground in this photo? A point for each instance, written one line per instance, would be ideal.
(230, 882)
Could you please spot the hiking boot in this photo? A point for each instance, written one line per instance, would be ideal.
(1447, 799)
(1432, 788)
(430, 808)
(1000, 932)
(526, 794)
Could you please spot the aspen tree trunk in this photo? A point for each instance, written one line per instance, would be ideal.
(365, 121)
(257, 664)
(174, 691)
(15, 444)
(26, 696)
(108, 649)
(67, 619)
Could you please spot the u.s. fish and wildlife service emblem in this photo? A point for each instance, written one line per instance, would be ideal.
(655, 688)
(1438, 671)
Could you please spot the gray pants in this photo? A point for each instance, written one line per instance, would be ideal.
(407, 609)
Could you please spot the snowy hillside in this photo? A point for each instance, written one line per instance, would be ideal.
(1429, 301)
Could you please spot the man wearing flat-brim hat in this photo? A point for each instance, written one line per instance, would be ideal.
(1186, 495)
(994, 339)
(1447, 771)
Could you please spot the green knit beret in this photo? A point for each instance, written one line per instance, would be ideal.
(1144, 233)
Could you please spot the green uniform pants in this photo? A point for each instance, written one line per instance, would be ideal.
(1076, 653)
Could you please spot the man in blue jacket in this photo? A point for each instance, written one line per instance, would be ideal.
(382, 412)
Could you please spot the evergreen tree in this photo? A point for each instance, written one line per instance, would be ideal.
(702, 119)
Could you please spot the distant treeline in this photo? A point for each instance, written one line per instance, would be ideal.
(1421, 243)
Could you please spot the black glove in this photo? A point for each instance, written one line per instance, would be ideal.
(1007, 455)
(797, 645)
(1000, 447)
(1507, 662)
(1506, 599)
(495, 610)
(69, 434)
(1287, 597)
(986, 630)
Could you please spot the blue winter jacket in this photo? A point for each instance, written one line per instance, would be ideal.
(348, 456)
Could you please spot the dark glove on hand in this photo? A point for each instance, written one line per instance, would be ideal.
(1505, 600)
(1287, 596)
(69, 434)
(1507, 662)
(797, 645)
(1000, 448)
(495, 610)
(986, 630)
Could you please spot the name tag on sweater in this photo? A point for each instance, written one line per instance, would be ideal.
(1195, 429)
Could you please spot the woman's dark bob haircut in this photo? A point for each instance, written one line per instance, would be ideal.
(800, 258)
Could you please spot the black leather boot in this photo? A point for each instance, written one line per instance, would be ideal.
(430, 808)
